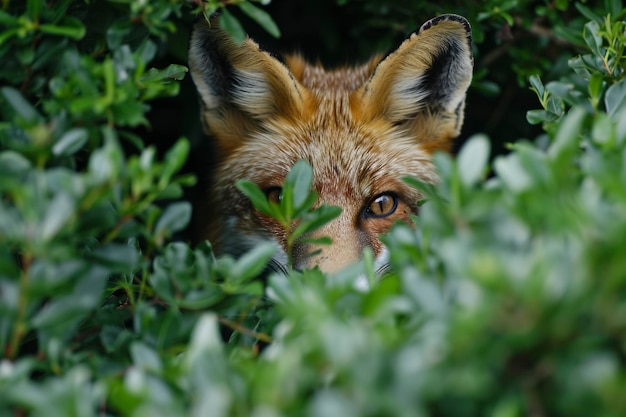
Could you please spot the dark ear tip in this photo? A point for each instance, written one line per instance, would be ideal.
(206, 29)
(448, 18)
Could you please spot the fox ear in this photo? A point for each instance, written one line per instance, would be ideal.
(431, 70)
(239, 84)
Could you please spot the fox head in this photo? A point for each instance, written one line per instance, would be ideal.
(362, 129)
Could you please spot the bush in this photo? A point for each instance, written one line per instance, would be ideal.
(507, 299)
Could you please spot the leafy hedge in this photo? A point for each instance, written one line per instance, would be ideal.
(507, 299)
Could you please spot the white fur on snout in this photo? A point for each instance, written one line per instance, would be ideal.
(362, 283)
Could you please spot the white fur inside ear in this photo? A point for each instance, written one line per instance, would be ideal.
(460, 79)
(253, 93)
(201, 69)
(210, 100)
(408, 95)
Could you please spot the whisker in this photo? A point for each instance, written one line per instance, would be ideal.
(383, 269)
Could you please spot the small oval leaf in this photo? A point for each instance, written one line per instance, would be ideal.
(230, 24)
(473, 159)
(261, 17)
(71, 142)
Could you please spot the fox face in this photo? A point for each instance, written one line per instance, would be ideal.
(361, 128)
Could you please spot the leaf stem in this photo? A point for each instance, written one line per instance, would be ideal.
(20, 327)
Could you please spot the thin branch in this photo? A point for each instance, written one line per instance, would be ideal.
(241, 329)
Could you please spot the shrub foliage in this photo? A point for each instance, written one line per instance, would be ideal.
(508, 298)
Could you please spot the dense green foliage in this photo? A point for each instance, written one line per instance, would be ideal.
(508, 298)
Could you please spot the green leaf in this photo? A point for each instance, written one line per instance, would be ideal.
(595, 85)
(145, 357)
(174, 190)
(444, 163)
(114, 338)
(71, 142)
(171, 72)
(65, 311)
(587, 12)
(33, 9)
(261, 17)
(256, 196)
(230, 24)
(252, 263)
(21, 106)
(510, 20)
(8, 19)
(512, 173)
(69, 26)
(562, 4)
(324, 240)
(568, 135)
(487, 88)
(117, 257)
(176, 157)
(204, 338)
(536, 117)
(174, 218)
(116, 33)
(603, 131)
(316, 219)
(13, 163)
(8, 34)
(537, 86)
(58, 213)
(559, 89)
(473, 159)
(106, 163)
(592, 38)
(299, 180)
(615, 98)
(146, 51)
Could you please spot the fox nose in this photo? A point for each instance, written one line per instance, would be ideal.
(345, 248)
(330, 259)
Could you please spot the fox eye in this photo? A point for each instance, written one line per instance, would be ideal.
(382, 205)
(274, 194)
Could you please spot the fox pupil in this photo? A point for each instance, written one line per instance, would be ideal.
(382, 205)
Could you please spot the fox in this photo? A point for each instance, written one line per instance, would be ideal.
(362, 128)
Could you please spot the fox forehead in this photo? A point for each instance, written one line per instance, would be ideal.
(324, 82)
(349, 156)
(348, 153)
